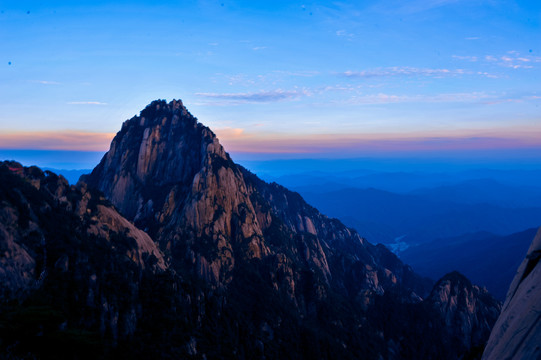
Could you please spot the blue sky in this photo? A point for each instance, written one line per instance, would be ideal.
(280, 78)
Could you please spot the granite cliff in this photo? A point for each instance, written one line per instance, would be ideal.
(517, 333)
(71, 267)
(468, 311)
(169, 175)
(205, 260)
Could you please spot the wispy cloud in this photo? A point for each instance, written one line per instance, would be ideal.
(466, 98)
(512, 59)
(403, 71)
(383, 98)
(302, 73)
(417, 6)
(356, 143)
(488, 75)
(467, 58)
(229, 133)
(515, 62)
(254, 97)
(269, 78)
(56, 140)
(46, 82)
(86, 103)
(344, 33)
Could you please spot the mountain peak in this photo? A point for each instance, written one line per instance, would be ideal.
(468, 311)
(254, 246)
(158, 108)
(164, 145)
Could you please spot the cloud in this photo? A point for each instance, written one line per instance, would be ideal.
(56, 140)
(45, 82)
(301, 73)
(402, 71)
(86, 103)
(229, 133)
(383, 98)
(269, 78)
(256, 48)
(359, 143)
(344, 33)
(417, 6)
(515, 62)
(488, 75)
(464, 98)
(467, 58)
(512, 59)
(254, 97)
(241, 79)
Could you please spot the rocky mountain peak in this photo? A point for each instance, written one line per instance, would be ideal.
(170, 175)
(256, 255)
(469, 312)
(163, 146)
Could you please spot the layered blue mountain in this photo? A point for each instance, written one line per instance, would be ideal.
(427, 214)
(170, 249)
(486, 259)
(404, 176)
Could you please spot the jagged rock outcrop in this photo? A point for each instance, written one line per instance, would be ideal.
(469, 312)
(517, 333)
(66, 258)
(170, 175)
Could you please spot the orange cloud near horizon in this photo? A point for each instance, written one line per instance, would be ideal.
(56, 140)
(238, 140)
(242, 142)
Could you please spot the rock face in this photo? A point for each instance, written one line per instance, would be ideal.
(30, 198)
(219, 263)
(68, 260)
(469, 312)
(169, 175)
(517, 333)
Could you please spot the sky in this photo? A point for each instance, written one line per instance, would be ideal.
(279, 79)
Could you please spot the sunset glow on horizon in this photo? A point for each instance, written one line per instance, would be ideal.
(279, 78)
(333, 145)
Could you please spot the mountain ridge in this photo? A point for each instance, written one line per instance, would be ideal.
(386, 215)
(250, 270)
(487, 259)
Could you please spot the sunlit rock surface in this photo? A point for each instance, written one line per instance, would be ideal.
(469, 312)
(517, 333)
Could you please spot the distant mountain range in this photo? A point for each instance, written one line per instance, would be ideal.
(485, 191)
(412, 219)
(71, 175)
(407, 180)
(169, 249)
(486, 259)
